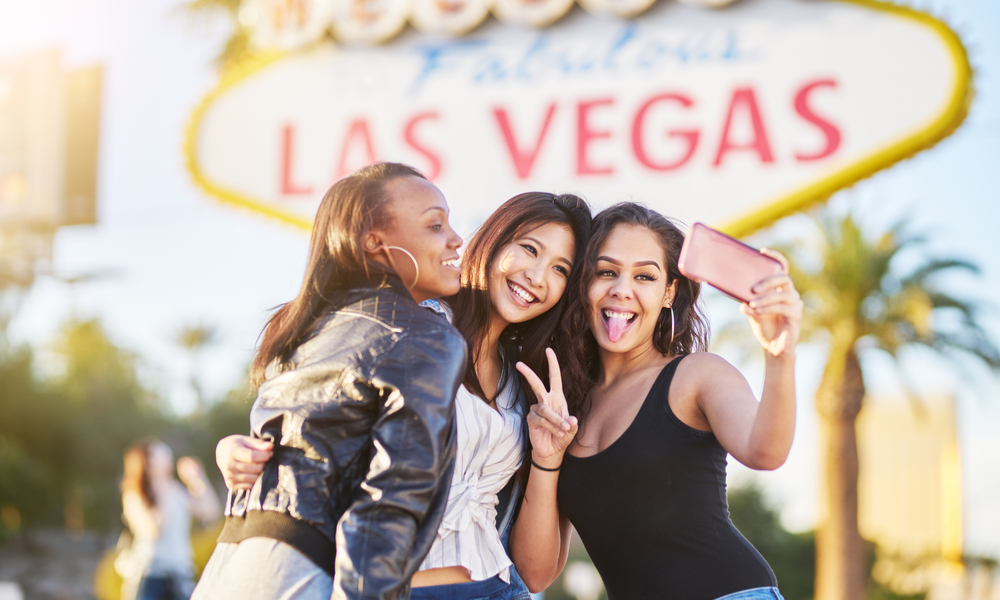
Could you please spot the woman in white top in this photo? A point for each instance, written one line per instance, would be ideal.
(515, 272)
(158, 512)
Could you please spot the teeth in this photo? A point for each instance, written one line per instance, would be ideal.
(614, 314)
(451, 263)
(521, 293)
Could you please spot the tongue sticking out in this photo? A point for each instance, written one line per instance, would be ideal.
(616, 328)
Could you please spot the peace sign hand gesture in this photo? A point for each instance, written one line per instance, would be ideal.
(550, 426)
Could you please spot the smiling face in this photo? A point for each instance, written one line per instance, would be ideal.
(419, 224)
(629, 290)
(528, 276)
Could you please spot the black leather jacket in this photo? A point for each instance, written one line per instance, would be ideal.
(363, 424)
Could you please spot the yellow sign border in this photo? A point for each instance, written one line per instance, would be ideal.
(936, 130)
(229, 79)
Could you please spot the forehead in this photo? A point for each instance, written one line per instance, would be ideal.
(631, 243)
(412, 196)
(557, 237)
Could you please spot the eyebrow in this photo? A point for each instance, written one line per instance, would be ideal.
(641, 263)
(565, 260)
(440, 208)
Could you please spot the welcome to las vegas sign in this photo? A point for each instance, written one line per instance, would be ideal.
(734, 117)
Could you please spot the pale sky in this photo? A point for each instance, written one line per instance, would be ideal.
(172, 256)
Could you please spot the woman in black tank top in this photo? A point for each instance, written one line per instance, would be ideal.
(644, 482)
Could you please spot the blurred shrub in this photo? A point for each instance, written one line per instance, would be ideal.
(64, 429)
(62, 436)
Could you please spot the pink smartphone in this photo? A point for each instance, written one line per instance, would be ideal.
(725, 263)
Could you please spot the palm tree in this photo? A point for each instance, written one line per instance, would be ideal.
(857, 302)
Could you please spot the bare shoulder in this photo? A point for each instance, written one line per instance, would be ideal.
(705, 364)
(705, 370)
(704, 360)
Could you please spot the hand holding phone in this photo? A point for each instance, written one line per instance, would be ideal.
(725, 263)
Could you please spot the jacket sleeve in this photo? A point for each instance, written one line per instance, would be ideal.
(385, 534)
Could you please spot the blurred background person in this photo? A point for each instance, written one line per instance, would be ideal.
(158, 511)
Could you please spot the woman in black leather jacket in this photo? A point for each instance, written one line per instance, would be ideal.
(356, 397)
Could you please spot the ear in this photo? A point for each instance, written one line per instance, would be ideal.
(670, 294)
(372, 242)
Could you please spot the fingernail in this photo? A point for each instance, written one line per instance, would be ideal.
(752, 304)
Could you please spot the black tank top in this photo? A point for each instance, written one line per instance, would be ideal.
(651, 510)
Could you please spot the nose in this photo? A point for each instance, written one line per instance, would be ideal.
(621, 289)
(535, 274)
(454, 240)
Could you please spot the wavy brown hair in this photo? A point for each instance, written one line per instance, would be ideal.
(350, 209)
(521, 341)
(691, 330)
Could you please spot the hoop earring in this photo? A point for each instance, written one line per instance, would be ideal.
(671, 327)
(407, 252)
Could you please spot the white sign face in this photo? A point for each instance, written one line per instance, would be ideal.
(733, 118)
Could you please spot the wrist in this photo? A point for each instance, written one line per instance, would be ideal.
(786, 358)
(551, 462)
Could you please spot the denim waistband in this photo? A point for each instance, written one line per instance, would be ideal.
(492, 588)
(761, 593)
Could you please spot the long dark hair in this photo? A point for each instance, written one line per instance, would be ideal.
(520, 341)
(350, 209)
(691, 330)
(136, 477)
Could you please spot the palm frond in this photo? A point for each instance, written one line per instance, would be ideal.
(967, 308)
(855, 289)
(939, 265)
(974, 342)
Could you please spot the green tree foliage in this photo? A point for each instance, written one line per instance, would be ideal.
(64, 429)
(100, 391)
(27, 478)
(63, 436)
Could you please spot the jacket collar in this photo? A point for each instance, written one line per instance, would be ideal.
(385, 280)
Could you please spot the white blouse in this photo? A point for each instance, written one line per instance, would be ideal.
(488, 453)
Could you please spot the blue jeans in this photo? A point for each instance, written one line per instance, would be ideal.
(761, 593)
(162, 587)
(493, 588)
